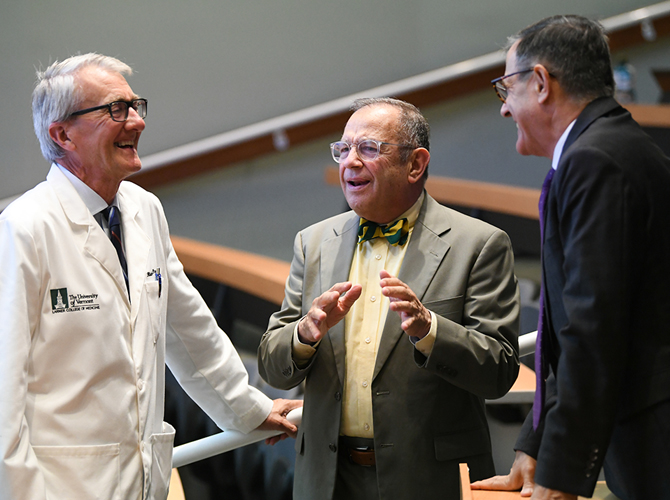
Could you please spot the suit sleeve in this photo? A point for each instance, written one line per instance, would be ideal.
(20, 289)
(275, 354)
(594, 207)
(476, 344)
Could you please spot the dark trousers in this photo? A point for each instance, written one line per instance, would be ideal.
(353, 481)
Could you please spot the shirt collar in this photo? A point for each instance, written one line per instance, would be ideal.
(91, 199)
(558, 150)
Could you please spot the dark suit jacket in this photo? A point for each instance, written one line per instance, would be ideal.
(606, 269)
(428, 413)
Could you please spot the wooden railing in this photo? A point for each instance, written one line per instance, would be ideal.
(648, 115)
(255, 274)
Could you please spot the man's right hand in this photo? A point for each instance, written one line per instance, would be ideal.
(327, 310)
(521, 476)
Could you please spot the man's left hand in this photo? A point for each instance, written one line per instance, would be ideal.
(415, 318)
(277, 420)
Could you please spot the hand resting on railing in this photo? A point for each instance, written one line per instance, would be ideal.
(225, 441)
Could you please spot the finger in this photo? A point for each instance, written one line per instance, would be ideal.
(403, 306)
(289, 428)
(275, 439)
(528, 487)
(347, 300)
(494, 483)
(384, 274)
(292, 404)
(327, 300)
(341, 288)
(400, 294)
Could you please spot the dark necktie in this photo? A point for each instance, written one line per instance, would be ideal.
(396, 233)
(114, 221)
(540, 363)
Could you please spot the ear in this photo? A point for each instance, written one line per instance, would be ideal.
(418, 164)
(59, 133)
(542, 83)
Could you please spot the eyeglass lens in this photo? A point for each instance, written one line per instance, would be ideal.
(501, 90)
(367, 150)
(119, 109)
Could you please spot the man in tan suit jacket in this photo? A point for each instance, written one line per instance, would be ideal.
(394, 393)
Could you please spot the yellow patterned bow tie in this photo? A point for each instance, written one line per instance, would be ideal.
(396, 232)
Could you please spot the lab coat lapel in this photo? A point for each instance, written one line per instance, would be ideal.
(423, 257)
(137, 246)
(87, 232)
(336, 255)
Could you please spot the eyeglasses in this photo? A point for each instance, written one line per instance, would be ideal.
(499, 86)
(118, 110)
(367, 150)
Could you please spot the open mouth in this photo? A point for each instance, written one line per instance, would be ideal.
(125, 144)
(357, 182)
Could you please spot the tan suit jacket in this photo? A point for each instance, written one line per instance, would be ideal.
(428, 413)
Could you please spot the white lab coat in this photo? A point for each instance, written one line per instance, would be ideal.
(82, 368)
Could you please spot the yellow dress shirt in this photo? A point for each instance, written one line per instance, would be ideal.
(363, 327)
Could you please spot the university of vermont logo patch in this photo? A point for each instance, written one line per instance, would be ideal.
(59, 300)
(62, 301)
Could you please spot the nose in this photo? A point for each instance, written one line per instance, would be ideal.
(134, 121)
(504, 111)
(352, 160)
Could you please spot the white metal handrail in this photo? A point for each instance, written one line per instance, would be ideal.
(277, 125)
(527, 343)
(223, 442)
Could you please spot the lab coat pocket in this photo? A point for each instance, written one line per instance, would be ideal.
(161, 462)
(81, 472)
(154, 299)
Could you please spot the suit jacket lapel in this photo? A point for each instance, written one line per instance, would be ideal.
(423, 257)
(336, 255)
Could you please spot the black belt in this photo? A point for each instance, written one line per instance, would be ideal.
(360, 451)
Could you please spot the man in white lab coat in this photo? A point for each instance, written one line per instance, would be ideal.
(83, 341)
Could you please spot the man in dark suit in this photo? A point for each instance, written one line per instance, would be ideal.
(605, 271)
(398, 339)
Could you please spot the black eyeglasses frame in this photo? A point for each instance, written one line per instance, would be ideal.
(136, 104)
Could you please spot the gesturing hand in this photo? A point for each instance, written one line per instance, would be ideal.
(414, 316)
(327, 310)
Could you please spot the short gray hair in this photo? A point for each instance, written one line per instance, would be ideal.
(574, 50)
(56, 96)
(414, 128)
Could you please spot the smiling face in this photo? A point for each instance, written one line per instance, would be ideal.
(98, 150)
(381, 189)
(522, 106)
